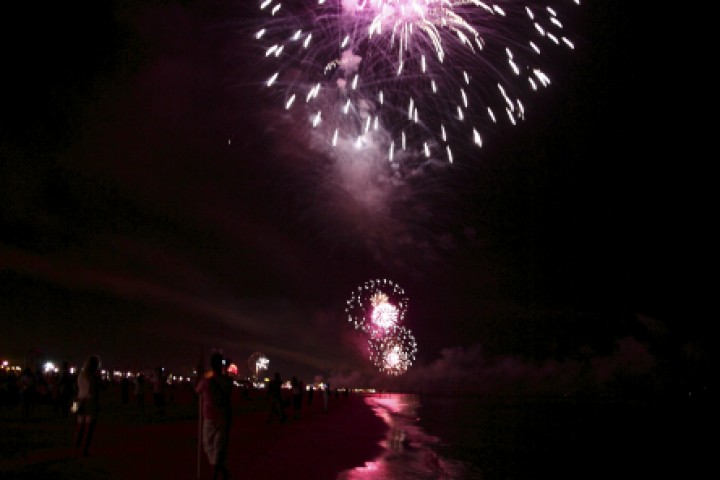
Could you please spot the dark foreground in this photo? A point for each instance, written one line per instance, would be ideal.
(130, 444)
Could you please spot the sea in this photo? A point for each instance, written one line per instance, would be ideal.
(474, 437)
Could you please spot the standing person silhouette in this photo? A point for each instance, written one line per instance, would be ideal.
(89, 385)
(159, 391)
(26, 386)
(215, 390)
(310, 394)
(140, 391)
(326, 396)
(277, 409)
(65, 389)
(297, 397)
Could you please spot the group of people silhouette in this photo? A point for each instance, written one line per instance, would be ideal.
(79, 394)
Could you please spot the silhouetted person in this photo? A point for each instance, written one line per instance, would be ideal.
(277, 409)
(326, 396)
(310, 393)
(89, 384)
(215, 392)
(140, 391)
(124, 390)
(159, 391)
(170, 388)
(65, 390)
(41, 388)
(28, 396)
(297, 396)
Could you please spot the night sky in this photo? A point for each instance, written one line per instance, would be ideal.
(156, 205)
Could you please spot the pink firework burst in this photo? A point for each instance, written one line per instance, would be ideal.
(376, 306)
(384, 315)
(395, 352)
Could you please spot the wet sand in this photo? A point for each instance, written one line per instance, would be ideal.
(320, 445)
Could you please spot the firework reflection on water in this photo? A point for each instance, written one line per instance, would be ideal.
(409, 452)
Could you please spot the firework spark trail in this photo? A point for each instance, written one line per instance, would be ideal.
(409, 75)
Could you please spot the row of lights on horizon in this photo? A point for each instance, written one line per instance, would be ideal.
(49, 368)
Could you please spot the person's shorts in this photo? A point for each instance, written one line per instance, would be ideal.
(86, 411)
(215, 440)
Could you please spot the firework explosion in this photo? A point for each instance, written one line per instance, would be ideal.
(394, 352)
(377, 308)
(257, 363)
(411, 78)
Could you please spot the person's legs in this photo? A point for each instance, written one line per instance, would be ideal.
(283, 414)
(84, 434)
(297, 405)
(215, 440)
(210, 433)
(217, 471)
(274, 410)
(79, 432)
(89, 428)
(221, 470)
(221, 445)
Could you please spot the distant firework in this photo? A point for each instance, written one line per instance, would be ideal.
(257, 363)
(412, 78)
(376, 306)
(395, 352)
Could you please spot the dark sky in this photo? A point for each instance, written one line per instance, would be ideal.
(154, 205)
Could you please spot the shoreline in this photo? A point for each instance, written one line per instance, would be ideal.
(320, 445)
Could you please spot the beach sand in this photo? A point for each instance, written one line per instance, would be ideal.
(320, 445)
